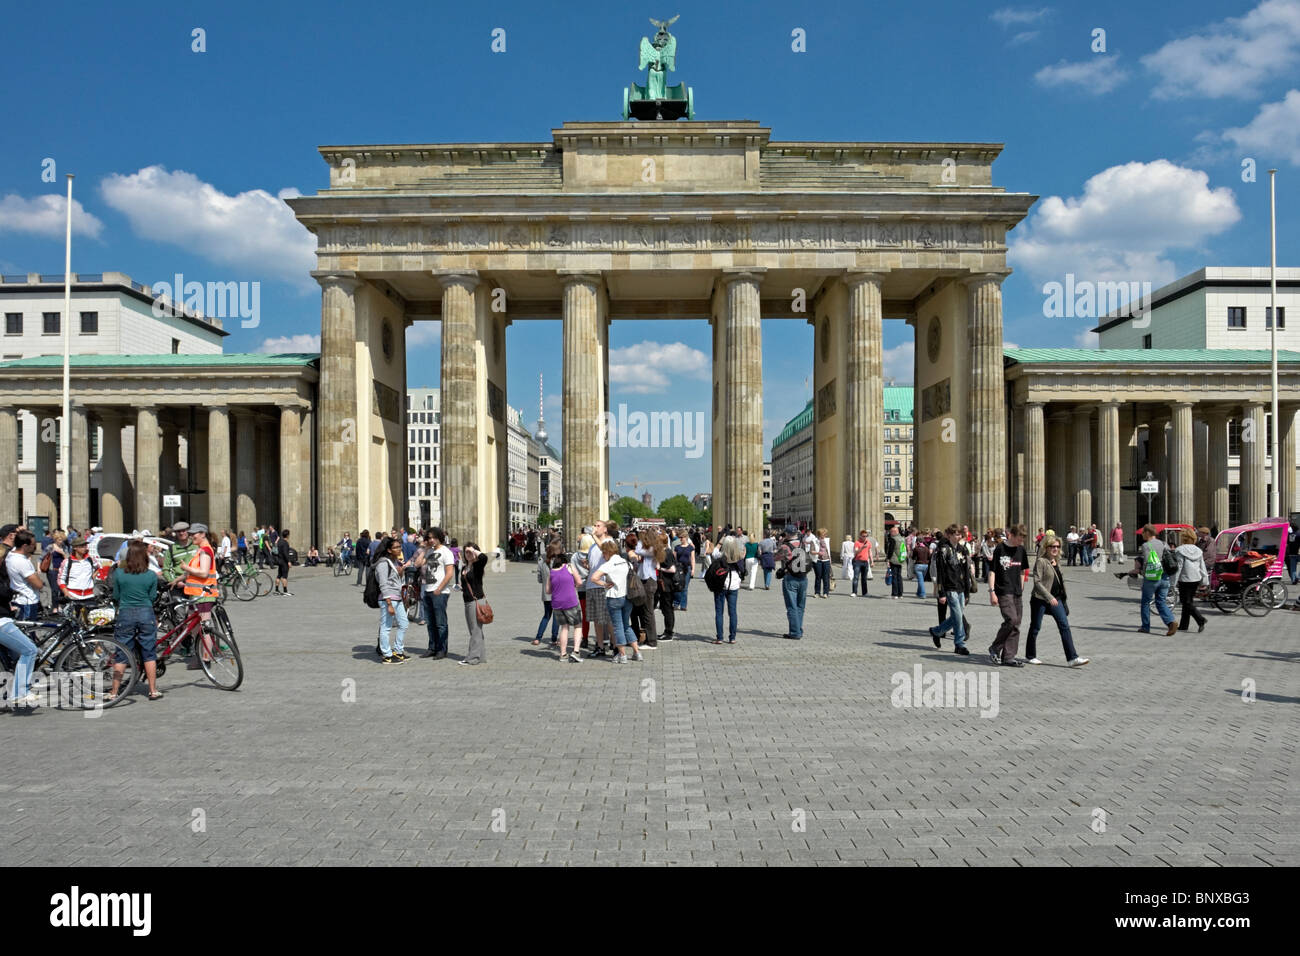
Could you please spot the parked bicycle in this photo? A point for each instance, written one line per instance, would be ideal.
(213, 640)
(79, 660)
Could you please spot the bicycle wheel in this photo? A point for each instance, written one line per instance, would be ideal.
(84, 672)
(339, 570)
(1225, 600)
(1255, 600)
(218, 652)
(1276, 594)
(244, 588)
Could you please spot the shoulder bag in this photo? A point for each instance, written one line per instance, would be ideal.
(482, 609)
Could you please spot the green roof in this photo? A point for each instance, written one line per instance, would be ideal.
(899, 398)
(1149, 356)
(217, 360)
(802, 420)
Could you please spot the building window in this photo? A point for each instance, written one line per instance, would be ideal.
(13, 323)
(50, 323)
(1236, 316)
(176, 346)
(1146, 341)
(90, 323)
(1281, 317)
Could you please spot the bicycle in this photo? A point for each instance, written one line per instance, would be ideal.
(343, 566)
(83, 661)
(240, 580)
(213, 640)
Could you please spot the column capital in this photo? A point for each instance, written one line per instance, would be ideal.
(1038, 405)
(467, 278)
(1109, 403)
(733, 273)
(587, 276)
(344, 279)
(854, 277)
(979, 278)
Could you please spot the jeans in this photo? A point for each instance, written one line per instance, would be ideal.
(767, 577)
(822, 582)
(399, 622)
(1160, 591)
(896, 580)
(20, 646)
(729, 599)
(860, 575)
(555, 624)
(1086, 553)
(1292, 561)
(1060, 614)
(794, 588)
(921, 570)
(956, 609)
(27, 612)
(435, 620)
(620, 616)
(361, 573)
(679, 597)
(137, 626)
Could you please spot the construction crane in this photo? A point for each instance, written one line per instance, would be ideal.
(637, 484)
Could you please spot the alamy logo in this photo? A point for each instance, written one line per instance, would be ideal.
(938, 689)
(217, 300)
(624, 429)
(1084, 299)
(77, 909)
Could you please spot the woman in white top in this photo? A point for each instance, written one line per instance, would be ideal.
(1191, 575)
(731, 552)
(612, 577)
(846, 556)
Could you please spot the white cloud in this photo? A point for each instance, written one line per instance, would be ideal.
(1124, 225)
(1275, 131)
(1006, 16)
(253, 230)
(424, 333)
(46, 216)
(1023, 37)
(897, 362)
(1009, 345)
(291, 343)
(656, 366)
(1088, 339)
(1233, 57)
(1096, 75)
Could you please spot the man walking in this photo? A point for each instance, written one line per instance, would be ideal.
(1117, 542)
(1150, 564)
(436, 569)
(953, 577)
(1006, 581)
(794, 563)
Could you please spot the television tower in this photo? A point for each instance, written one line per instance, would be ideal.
(541, 412)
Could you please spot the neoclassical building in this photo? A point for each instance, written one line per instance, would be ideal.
(707, 220)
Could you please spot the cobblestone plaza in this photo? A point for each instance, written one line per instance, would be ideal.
(770, 752)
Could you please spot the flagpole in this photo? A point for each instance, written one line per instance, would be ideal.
(1275, 495)
(65, 430)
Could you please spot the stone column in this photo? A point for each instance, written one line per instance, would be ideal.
(1200, 469)
(583, 405)
(1254, 452)
(1181, 503)
(306, 511)
(743, 424)
(148, 458)
(246, 516)
(1216, 473)
(1016, 463)
(1059, 500)
(864, 413)
(77, 471)
(47, 479)
(1035, 469)
(1109, 467)
(1285, 470)
(1082, 467)
(291, 474)
(9, 465)
(218, 478)
(1158, 464)
(112, 504)
(986, 480)
(337, 421)
(459, 396)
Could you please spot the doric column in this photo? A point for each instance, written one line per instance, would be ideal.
(864, 400)
(1254, 451)
(291, 473)
(306, 511)
(1081, 455)
(1216, 472)
(1060, 503)
(583, 409)
(112, 503)
(218, 477)
(743, 425)
(459, 385)
(1107, 504)
(1200, 469)
(148, 458)
(1158, 465)
(9, 465)
(337, 391)
(986, 480)
(246, 470)
(47, 478)
(1035, 468)
(1180, 464)
(77, 471)
(1285, 470)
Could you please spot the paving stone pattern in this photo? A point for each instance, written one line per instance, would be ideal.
(768, 752)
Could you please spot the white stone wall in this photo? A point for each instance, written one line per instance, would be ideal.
(126, 327)
(1256, 335)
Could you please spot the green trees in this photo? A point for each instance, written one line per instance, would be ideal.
(625, 507)
(678, 510)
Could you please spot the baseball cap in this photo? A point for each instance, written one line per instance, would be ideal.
(183, 526)
(200, 528)
(7, 530)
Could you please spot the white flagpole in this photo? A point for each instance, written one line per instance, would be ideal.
(1278, 464)
(65, 429)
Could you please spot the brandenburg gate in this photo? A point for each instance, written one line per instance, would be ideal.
(662, 219)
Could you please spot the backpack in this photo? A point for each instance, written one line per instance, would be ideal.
(370, 596)
(1154, 569)
(1168, 563)
(715, 579)
(798, 561)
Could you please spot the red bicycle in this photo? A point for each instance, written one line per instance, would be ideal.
(213, 639)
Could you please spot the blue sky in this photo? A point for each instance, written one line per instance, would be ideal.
(180, 156)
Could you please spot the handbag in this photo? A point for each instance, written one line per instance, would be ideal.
(45, 561)
(482, 609)
(635, 588)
